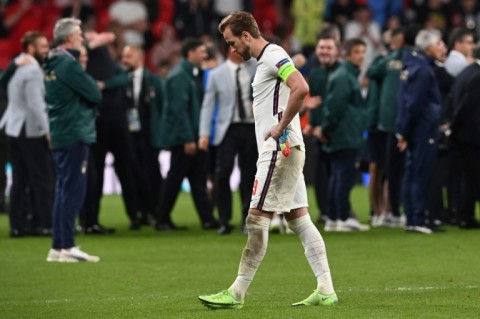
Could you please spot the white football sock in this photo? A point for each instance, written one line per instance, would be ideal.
(315, 251)
(252, 255)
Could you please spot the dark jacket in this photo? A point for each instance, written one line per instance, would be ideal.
(466, 106)
(154, 96)
(181, 114)
(386, 71)
(373, 98)
(71, 96)
(101, 67)
(419, 99)
(445, 84)
(344, 110)
(318, 82)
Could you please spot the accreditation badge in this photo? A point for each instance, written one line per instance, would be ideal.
(133, 118)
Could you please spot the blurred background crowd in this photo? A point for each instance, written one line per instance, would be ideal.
(158, 25)
(160, 30)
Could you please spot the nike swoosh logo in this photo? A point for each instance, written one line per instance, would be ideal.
(325, 298)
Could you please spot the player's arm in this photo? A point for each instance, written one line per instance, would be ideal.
(298, 91)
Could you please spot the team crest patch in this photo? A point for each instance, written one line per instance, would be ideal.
(282, 62)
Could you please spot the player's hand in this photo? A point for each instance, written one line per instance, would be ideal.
(190, 148)
(203, 143)
(275, 133)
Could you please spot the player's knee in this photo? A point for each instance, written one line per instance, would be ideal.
(299, 224)
(257, 222)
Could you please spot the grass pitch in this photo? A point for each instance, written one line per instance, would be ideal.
(384, 273)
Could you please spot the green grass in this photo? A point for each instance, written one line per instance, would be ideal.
(383, 273)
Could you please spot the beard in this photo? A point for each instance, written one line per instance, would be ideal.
(128, 68)
(245, 53)
(39, 57)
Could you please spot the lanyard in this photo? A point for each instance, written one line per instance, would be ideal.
(64, 51)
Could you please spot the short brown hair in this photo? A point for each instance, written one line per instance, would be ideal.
(190, 44)
(238, 22)
(31, 37)
(352, 43)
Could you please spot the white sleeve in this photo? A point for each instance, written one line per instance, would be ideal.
(277, 61)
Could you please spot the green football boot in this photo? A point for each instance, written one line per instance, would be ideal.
(317, 299)
(223, 300)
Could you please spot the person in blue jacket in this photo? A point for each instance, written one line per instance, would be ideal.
(419, 115)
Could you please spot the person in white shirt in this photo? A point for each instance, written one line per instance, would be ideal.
(365, 28)
(460, 56)
(278, 94)
(228, 89)
(27, 129)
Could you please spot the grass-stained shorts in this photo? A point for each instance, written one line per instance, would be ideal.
(279, 183)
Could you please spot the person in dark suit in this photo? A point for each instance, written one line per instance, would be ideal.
(180, 122)
(112, 136)
(465, 128)
(229, 86)
(28, 137)
(418, 120)
(443, 174)
(145, 99)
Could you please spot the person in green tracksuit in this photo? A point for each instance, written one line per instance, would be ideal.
(342, 133)
(181, 118)
(387, 72)
(71, 96)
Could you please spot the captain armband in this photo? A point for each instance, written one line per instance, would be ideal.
(285, 70)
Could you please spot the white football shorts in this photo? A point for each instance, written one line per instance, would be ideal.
(279, 183)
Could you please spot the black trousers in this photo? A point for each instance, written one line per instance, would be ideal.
(394, 170)
(446, 175)
(32, 169)
(91, 207)
(341, 182)
(147, 173)
(470, 169)
(3, 175)
(239, 140)
(112, 136)
(420, 160)
(195, 168)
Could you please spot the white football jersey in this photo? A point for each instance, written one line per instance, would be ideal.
(270, 97)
